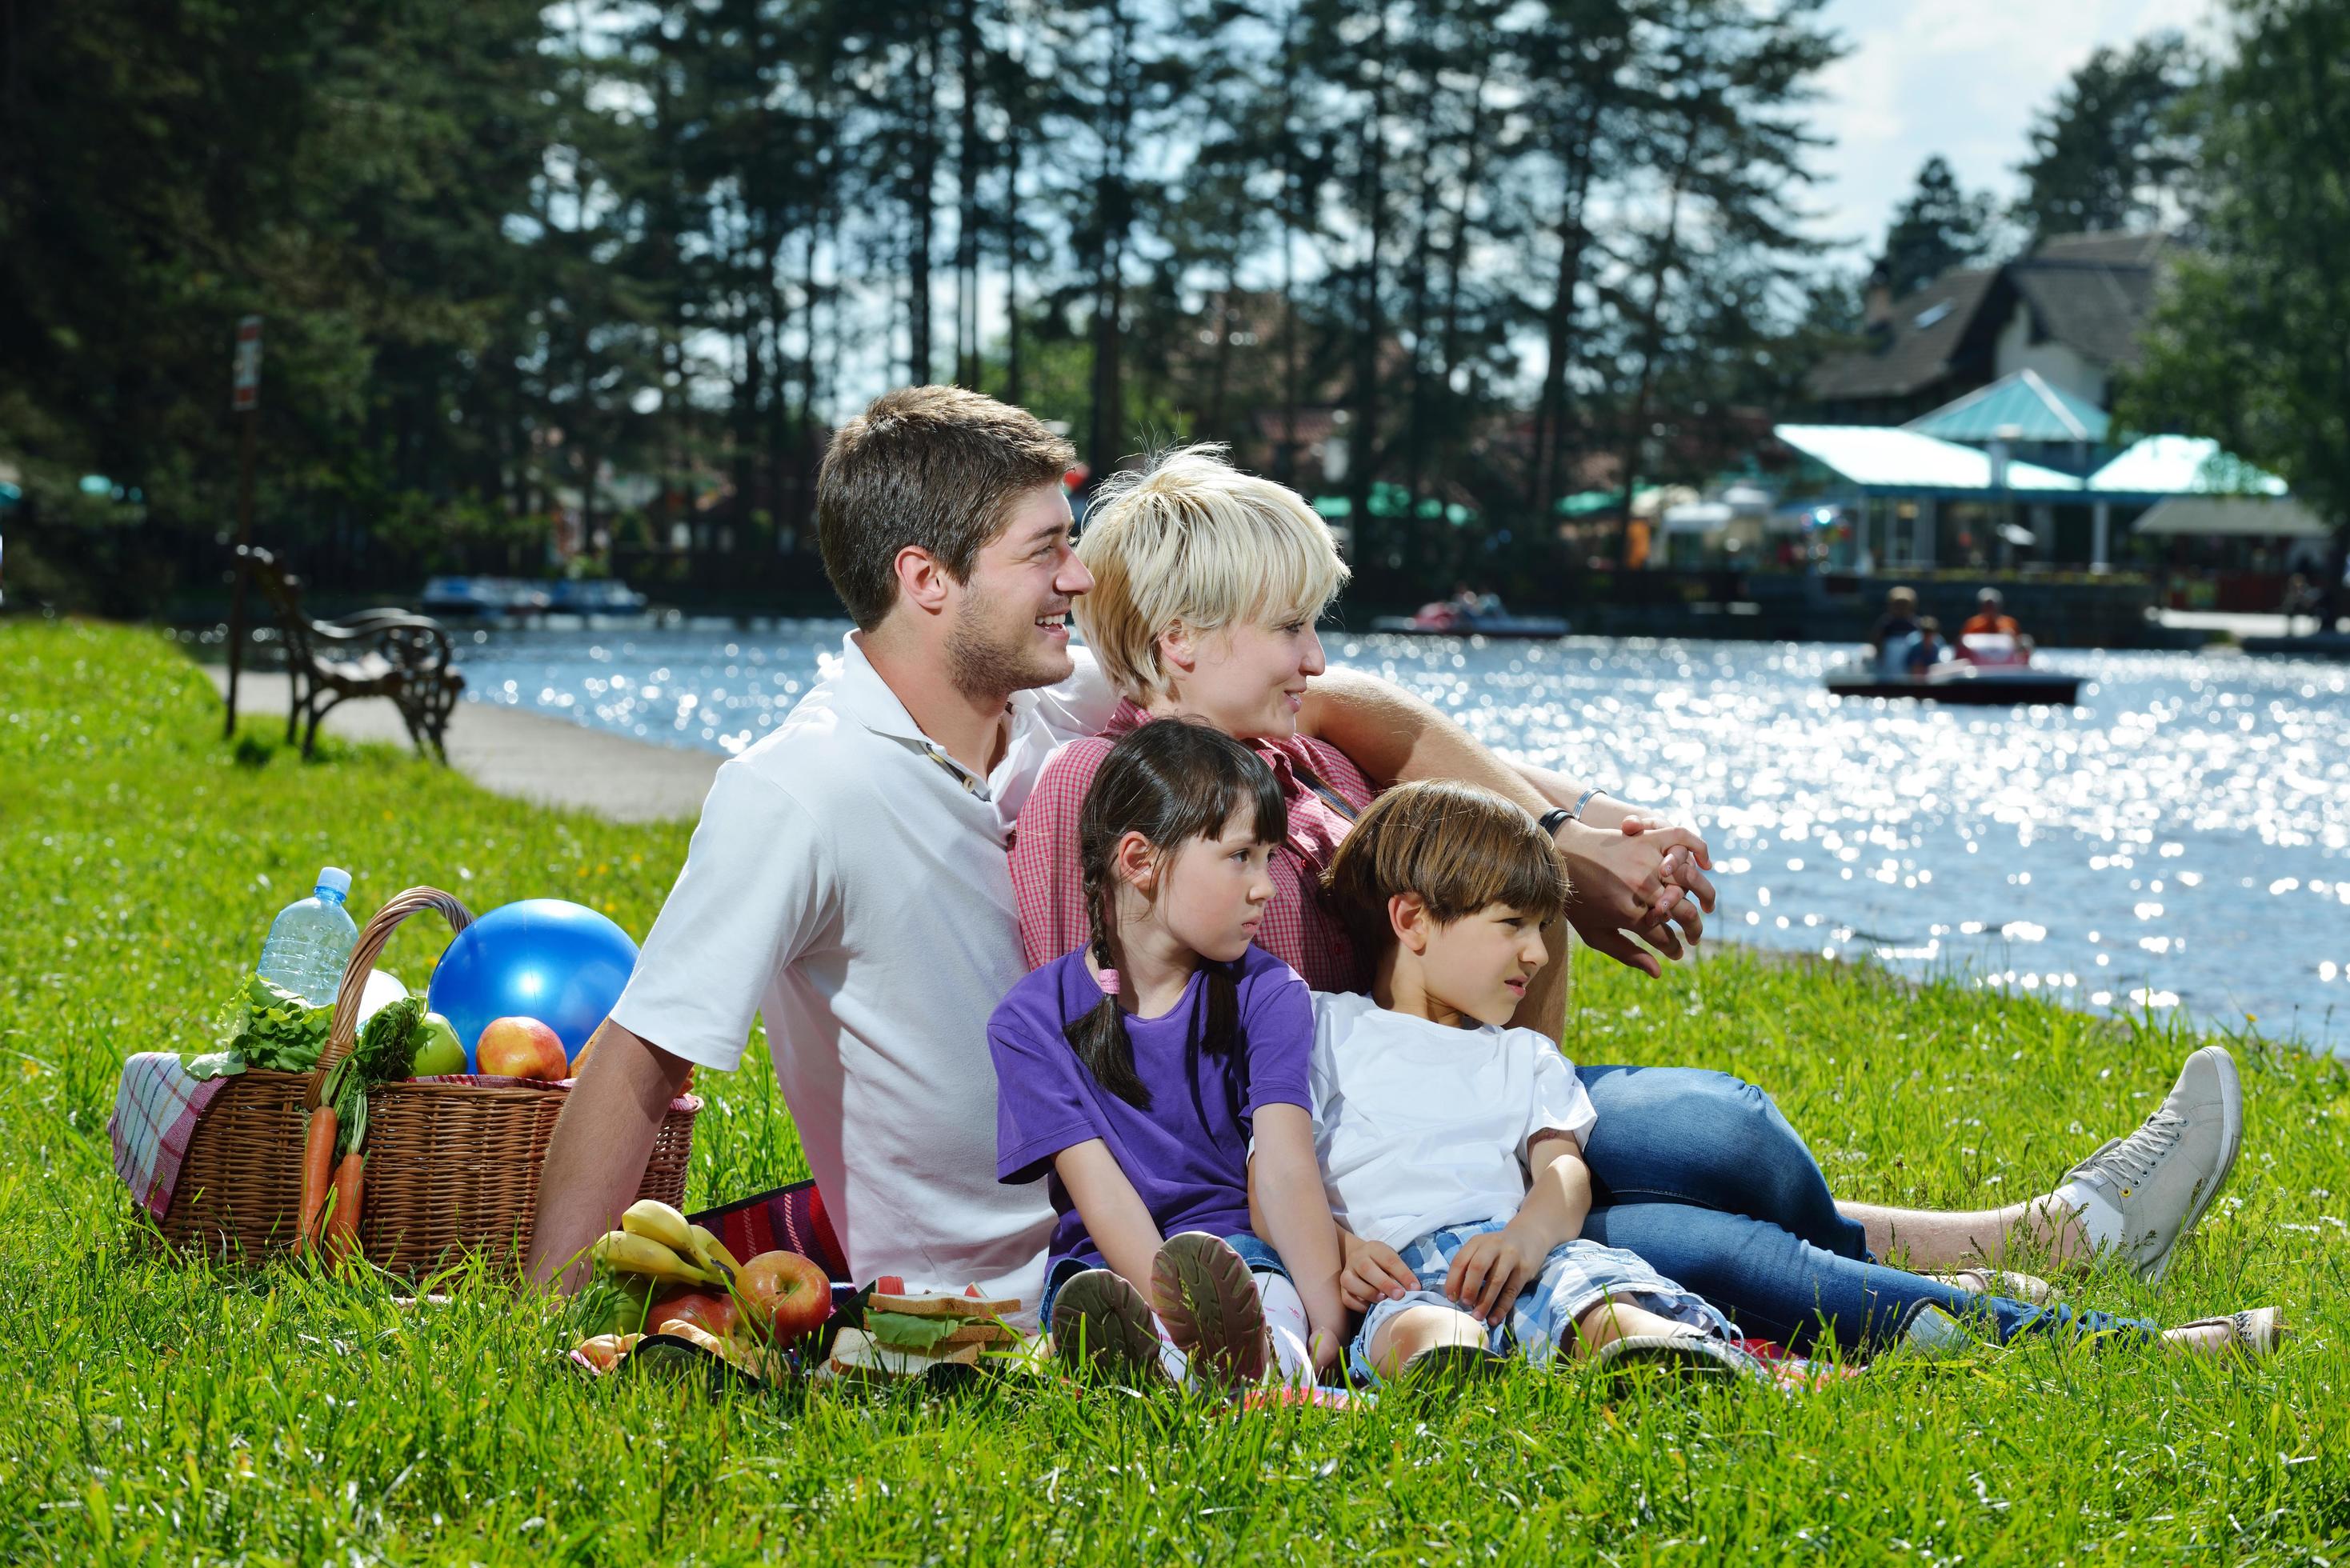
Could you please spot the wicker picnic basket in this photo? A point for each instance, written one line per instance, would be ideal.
(451, 1168)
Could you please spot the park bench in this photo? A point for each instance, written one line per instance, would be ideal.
(391, 653)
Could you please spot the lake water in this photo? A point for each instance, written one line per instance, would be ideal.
(2181, 838)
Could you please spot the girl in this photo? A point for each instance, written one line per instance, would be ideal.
(1143, 1073)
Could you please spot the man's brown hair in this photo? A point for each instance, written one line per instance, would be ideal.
(936, 467)
(1459, 848)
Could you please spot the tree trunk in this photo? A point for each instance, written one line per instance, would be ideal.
(1284, 456)
(967, 219)
(1107, 442)
(1429, 202)
(1362, 450)
(922, 205)
(1219, 366)
(1636, 428)
(1457, 247)
(1012, 388)
(1551, 407)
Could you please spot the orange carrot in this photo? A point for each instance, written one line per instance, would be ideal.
(317, 1155)
(342, 1236)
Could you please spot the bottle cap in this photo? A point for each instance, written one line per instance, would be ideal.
(334, 880)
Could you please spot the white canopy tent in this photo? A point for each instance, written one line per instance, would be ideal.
(2233, 517)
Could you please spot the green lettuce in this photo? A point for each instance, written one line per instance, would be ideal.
(266, 1025)
(905, 1331)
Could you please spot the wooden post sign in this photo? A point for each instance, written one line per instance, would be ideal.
(244, 376)
(244, 399)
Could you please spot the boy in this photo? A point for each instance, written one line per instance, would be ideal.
(1451, 1145)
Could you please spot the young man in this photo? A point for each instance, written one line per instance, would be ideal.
(848, 879)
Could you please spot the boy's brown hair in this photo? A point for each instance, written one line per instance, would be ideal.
(936, 467)
(1456, 847)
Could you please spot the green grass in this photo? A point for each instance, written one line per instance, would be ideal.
(164, 1413)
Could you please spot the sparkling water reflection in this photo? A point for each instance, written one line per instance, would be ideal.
(2180, 838)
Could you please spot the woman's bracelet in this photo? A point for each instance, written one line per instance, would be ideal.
(1558, 816)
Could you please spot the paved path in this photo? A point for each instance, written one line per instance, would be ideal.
(527, 755)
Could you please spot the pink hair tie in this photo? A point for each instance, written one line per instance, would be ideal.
(1109, 982)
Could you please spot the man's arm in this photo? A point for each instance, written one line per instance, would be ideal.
(1618, 881)
(758, 884)
(596, 1160)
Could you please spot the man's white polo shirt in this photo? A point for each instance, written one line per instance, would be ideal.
(848, 881)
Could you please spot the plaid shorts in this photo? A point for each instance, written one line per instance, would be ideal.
(1574, 1279)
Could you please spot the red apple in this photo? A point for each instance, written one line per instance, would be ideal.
(705, 1309)
(784, 1294)
(521, 1048)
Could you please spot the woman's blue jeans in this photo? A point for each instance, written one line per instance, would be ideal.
(1700, 1174)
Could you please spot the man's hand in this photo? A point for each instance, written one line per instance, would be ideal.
(1641, 877)
(1370, 1271)
(1488, 1274)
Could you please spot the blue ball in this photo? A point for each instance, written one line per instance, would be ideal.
(558, 962)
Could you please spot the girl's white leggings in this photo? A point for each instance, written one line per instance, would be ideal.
(1284, 1315)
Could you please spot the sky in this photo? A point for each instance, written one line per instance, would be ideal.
(1962, 78)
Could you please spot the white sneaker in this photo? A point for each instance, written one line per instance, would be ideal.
(2029, 1289)
(2163, 1177)
(2255, 1333)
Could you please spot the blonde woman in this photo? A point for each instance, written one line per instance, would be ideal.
(1208, 583)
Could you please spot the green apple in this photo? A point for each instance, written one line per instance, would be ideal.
(437, 1050)
(619, 1305)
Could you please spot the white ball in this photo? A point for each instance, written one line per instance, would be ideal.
(382, 990)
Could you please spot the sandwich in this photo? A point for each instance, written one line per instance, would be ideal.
(905, 1334)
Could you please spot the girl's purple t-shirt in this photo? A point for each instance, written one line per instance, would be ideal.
(1188, 1154)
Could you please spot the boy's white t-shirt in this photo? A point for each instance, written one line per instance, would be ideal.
(847, 882)
(1421, 1125)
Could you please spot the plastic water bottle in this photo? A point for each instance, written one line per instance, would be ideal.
(311, 940)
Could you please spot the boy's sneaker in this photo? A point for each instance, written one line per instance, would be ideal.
(1101, 1322)
(1453, 1366)
(1696, 1356)
(1209, 1303)
(2161, 1177)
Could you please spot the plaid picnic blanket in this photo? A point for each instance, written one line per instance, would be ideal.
(1796, 1374)
(155, 1114)
(790, 1219)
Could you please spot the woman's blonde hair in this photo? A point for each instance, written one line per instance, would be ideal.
(1189, 540)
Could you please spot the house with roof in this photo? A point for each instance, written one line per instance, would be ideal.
(2069, 313)
(1936, 493)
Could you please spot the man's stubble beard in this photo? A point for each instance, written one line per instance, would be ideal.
(982, 666)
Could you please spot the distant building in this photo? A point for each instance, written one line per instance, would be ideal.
(2070, 313)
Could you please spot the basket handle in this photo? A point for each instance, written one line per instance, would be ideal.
(344, 1033)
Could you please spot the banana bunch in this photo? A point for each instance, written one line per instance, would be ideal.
(657, 1243)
